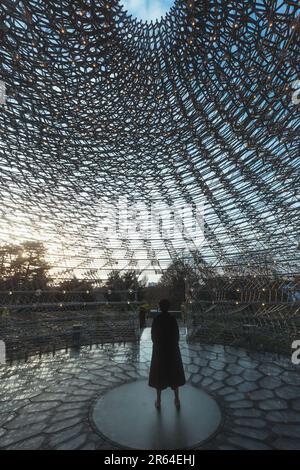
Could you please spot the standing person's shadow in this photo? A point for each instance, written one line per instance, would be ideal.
(171, 430)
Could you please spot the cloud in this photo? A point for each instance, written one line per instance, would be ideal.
(147, 10)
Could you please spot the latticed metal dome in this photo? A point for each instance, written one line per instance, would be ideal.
(199, 107)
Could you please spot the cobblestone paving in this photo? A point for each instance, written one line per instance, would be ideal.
(45, 403)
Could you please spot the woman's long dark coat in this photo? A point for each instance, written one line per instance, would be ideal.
(166, 368)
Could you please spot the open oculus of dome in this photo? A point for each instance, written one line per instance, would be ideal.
(194, 107)
(147, 10)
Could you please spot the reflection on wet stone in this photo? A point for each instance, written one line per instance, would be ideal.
(53, 395)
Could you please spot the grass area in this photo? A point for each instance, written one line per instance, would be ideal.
(233, 334)
(29, 333)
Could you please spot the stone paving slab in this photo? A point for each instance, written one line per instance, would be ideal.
(45, 402)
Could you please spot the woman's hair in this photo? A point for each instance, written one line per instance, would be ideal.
(164, 305)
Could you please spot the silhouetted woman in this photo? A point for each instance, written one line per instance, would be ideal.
(166, 368)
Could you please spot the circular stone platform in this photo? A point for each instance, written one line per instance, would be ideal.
(127, 416)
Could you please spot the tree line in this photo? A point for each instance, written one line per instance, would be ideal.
(24, 268)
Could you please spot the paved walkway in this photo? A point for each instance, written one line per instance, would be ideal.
(46, 403)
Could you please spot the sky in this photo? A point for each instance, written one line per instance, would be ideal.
(147, 10)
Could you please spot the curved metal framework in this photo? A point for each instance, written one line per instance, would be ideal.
(196, 107)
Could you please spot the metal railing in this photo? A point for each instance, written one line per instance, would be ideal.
(268, 326)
